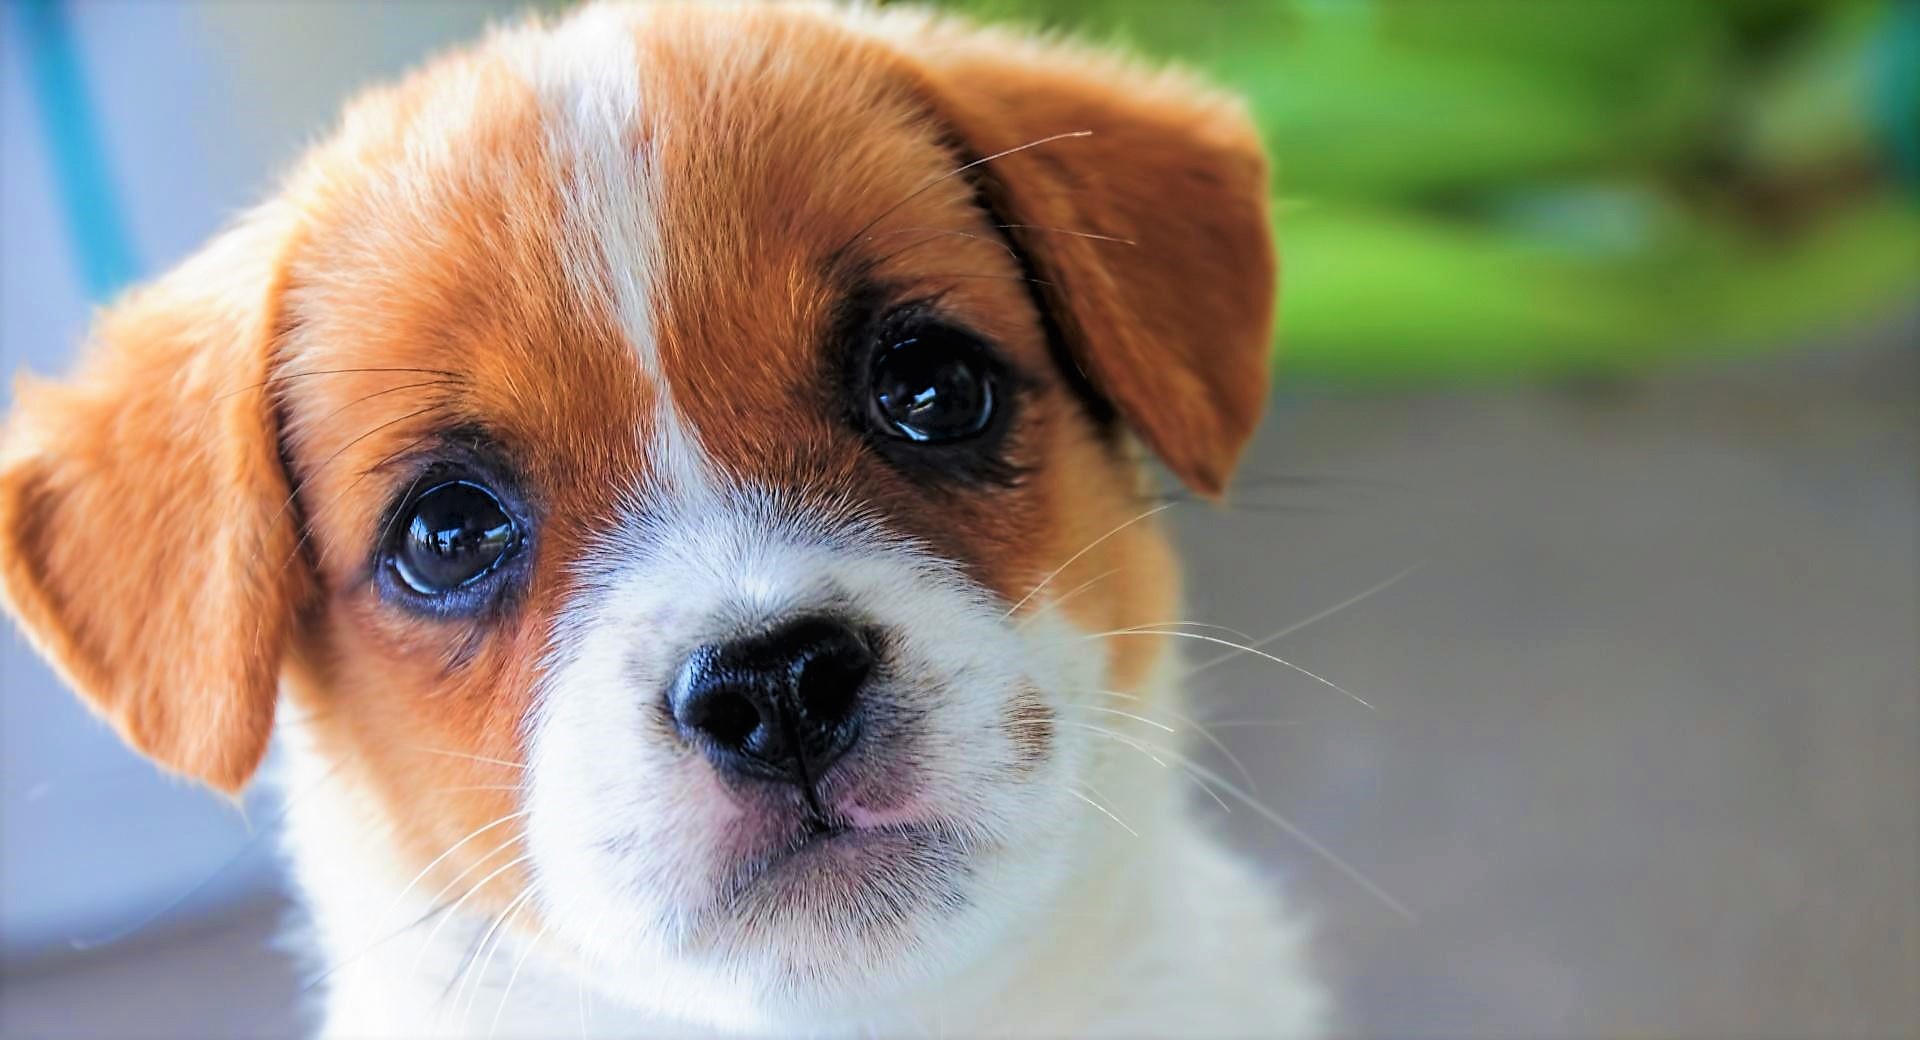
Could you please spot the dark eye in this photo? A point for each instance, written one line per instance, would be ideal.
(451, 536)
(930, 385)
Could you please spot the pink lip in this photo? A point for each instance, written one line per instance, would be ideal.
(864, 818)
(841, 861)
(850, 849)
(854, 834)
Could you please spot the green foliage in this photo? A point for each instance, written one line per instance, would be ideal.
(1498, 188)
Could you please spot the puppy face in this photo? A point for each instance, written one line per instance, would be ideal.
(680, 462)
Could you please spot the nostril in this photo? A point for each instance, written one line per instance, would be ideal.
(719, 702)
(728, 718)
(830, 677)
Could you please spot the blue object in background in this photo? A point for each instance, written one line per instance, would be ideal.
(71, 130)
(1897, 89)
(92, 839)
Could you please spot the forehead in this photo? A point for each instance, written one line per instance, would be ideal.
(576, 237)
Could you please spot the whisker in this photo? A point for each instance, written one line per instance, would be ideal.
(468, 757)
(313, 983)
(588, 952)
(1103, 810)
(1089, 547)
(386, 530)
(343, 449)
(1246, 483)
(1205, 731)
(387, 914)
(990, 276)
(1275, 637)
(1068, 231)
(1070, 593)
(1323, 680)
(294, 495)
(307, 534)
(1237, 504)
(1148, 750)
(1103, 731)
(475, 973)
(421, 951)
(1209, 779)
(85, 778)
(1195, 624)
(955, 172)
(500, 1008)
(582, 982)
(284, 377)
(934, 235)
(1127, 714)
(439, 1010)
(293, 498)
(364, 398)
(1293, 831)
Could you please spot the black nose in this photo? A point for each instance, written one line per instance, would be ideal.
(781, 705)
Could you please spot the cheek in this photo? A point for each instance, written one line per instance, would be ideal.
(438, 747)
(1095, 559)
(1130, 581)
(592, 728)
(626, 829)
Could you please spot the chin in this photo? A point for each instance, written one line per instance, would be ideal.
(829, 931)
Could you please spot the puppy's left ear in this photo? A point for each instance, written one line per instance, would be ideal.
(146, 537)
(1174, 323)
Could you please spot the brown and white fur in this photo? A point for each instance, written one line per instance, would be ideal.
(612, 259)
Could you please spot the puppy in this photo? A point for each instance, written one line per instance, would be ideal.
(677, 476)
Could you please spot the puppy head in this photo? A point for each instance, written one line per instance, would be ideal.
(679, 460)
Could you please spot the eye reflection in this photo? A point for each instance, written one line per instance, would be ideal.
(455, 533)
(933, 386)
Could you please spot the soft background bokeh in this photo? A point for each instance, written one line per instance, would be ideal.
(1602, 312)
(1503, 188)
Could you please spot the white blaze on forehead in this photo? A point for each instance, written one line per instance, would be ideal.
(586, 73)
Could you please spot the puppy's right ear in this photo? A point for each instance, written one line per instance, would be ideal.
(146, 535)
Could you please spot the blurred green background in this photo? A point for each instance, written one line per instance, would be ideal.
(1473, 189)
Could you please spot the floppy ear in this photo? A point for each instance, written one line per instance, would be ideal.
(1174, 329)
(145, 532)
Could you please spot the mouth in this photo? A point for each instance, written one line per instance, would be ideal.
(835, 863)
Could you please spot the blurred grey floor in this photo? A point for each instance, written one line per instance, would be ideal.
(1648, 748)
